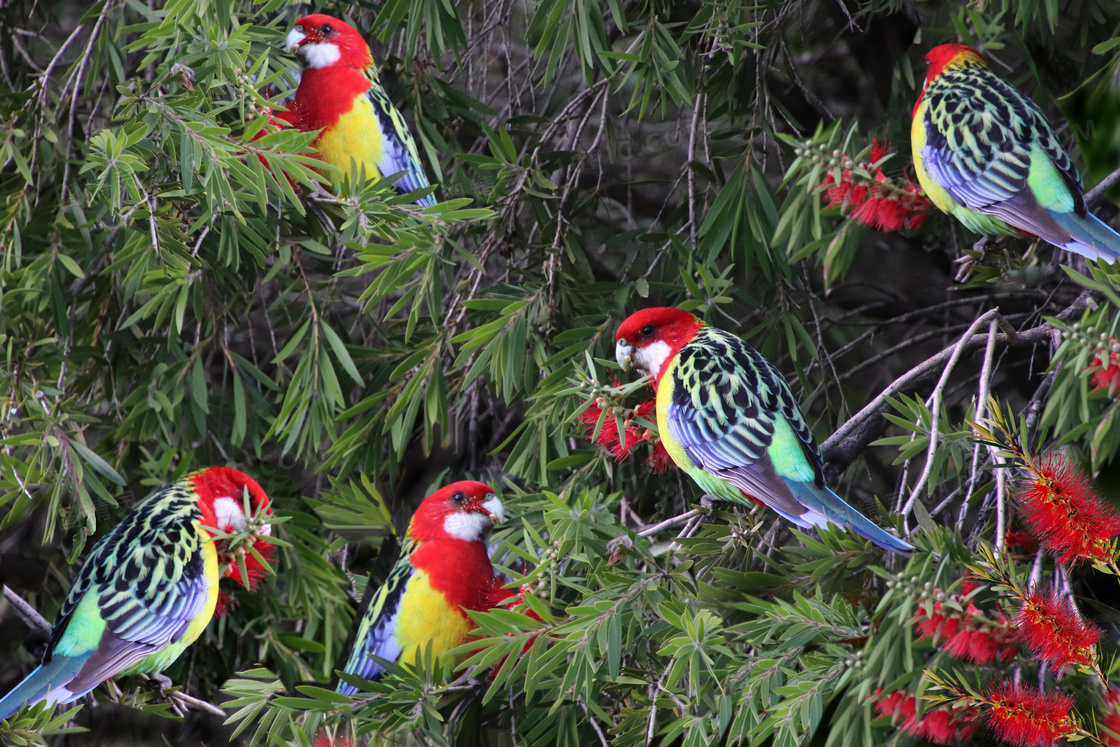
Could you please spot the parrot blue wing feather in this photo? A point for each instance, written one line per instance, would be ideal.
(376, 624)
(400, 155)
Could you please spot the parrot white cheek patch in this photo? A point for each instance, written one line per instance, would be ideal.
(320, 55)
(228, 514)
(295, 36)
(652, 357)
(467, 527)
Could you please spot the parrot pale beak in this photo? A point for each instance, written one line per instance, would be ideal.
(494, 507)
(294, 39)
(622, 352)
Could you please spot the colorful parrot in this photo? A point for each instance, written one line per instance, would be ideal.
(147, 589)
(339, 94)
(728, 419)
(985, 153)
(443, 569)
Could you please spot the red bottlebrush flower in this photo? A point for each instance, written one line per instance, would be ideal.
(1028, 717)
(1023, 540)
(896, 706)
(1062, 508)
(943, 724)
(1106, 377)
(322, 739)
(1050, 627)
(879, 150)
(880, 202)
(1110, 719)
(254, 571)
(610, 440)
(969, 636)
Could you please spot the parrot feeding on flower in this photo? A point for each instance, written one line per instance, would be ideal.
(729, 419)
(443, 569)
(339, 93)
(985, 154)
(147, 590)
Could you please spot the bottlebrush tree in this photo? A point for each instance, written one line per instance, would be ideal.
(182, 284)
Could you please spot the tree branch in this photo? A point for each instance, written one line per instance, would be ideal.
(850, 439)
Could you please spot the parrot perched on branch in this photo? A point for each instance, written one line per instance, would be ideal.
(148, 588)
(728, 419)
(443, 569)
(339, 93)
(985, 154)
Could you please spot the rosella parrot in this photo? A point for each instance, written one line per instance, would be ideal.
(985, 154)
(443, 569)
(728, 418)
(339, 93)
(147, 590)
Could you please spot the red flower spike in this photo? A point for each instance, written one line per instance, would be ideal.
(611, 441)
(879, 150)
(1062, 508)
(1106, 378)
(253, 568)
(1050, 627)
(967, 636)
(879, 203)
(1023, 540)
(943, 724)
(322, 739)
(1110, 719)
(1028, 717)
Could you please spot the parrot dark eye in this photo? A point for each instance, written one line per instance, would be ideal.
(459, 499)
(646, 331)
(327, 29)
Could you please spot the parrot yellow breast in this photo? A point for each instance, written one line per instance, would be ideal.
(664, 399)
(937, 194)
(357, 136)
(425, 615)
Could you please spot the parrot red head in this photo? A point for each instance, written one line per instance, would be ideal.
(947, 55)
(321, 41)
(650, 337)
(221, 498)
(464, 511)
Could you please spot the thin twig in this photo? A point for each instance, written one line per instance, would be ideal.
(842, 447)
(1096, 194)
(27, 613)
(935, 403)
(675, 521)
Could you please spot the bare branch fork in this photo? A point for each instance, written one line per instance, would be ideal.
(937, 398)
(850, 439)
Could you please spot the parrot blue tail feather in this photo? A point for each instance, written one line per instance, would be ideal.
(46, 682)
(825, 506)
(1091, 237)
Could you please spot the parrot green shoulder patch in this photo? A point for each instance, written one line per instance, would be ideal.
(84, 631)
(1047, 185)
